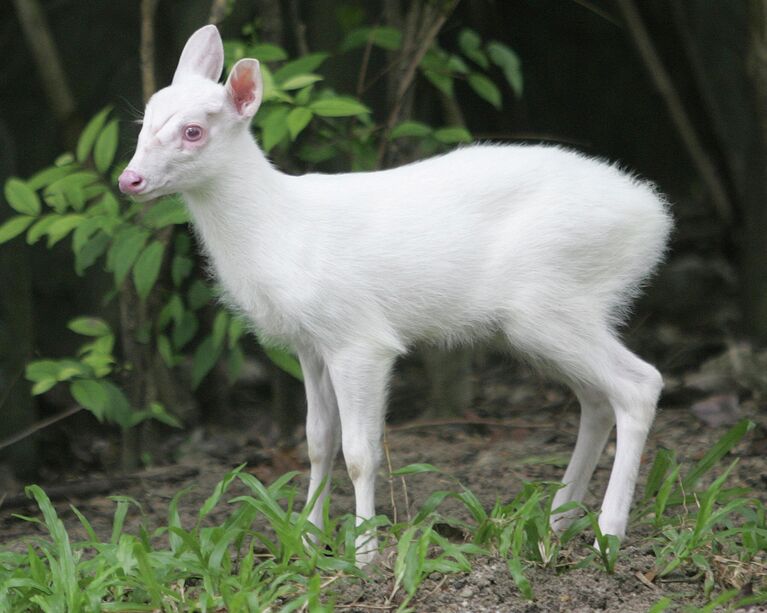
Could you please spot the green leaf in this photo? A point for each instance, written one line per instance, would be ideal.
(284, 360)
(118, 409)
(74, 190)
(160, 413)
(180, 269)
(199, 295)
(14, 226)
(384, 37)
(220, 326)
(61, 227)
(108, 204)
(91, 394)
(43, 386)
(338, 107)
(91, 251)
(266, 52)
(297, 120)
(453, 135)
(485, 89)
(85, 230)
(314, 154)
(169, 211)
(436, 68)
(442, 82)
(234, 363)
(49, 175)
(173, 310)
(471, 45)
(147, 268)
(301, 80)
(41, 227)
(89, 326)
(127, 244)
(165, 350)
(456, 64)
(302, 65)
(416, 469)
(205, 357)
(274, 127)
(237, 327)
(722, 447)
(518, 575)
(503, 57)
(90, 133)
(21, 197)
(236, 50)
(106, 146)
(410, 128)
(40, 370)
(184, 330)
(664, 460)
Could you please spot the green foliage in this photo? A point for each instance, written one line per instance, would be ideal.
(258, 557)
(442, 69)
(694, 525)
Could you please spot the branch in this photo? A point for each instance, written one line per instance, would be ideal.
(472, 421)
(299, 27)
(427, 40)
(218, 10)
(36, 427)
(104, 485)
(52, 77)
(654, 65)
(148, 80)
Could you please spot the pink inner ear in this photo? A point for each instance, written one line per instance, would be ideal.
(243, 89)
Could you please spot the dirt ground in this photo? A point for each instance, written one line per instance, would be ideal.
(520, 428)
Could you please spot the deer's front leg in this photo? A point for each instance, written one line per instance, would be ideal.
(323, 429)
(360, 378)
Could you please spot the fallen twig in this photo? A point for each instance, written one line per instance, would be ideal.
(43, 423)
(95, 487)
(472, 421)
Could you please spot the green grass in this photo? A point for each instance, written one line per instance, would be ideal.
(258, 559)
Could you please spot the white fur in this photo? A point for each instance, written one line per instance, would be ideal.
(541, 244)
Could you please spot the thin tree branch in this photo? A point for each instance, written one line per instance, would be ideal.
(706, 168)
(590, 6)
(148, 79)
(218, 11)
(410, 71)
(52, 77)
(364, 64)
(36, 427)
(718, 119)
(299, 27)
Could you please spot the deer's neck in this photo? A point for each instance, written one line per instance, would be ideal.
(244, 196)
(241, 216)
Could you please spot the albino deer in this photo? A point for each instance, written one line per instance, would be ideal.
(540, 244)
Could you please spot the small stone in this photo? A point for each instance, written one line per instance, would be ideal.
(467, 592)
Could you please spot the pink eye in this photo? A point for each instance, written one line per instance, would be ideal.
(192, 133)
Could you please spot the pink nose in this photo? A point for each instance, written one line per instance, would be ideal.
(131, 182)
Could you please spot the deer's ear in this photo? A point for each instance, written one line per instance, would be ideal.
(245, 87)
(203, 55)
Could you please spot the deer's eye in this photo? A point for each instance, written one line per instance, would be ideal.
(192, 132)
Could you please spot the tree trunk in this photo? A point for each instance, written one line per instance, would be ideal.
(753, 252)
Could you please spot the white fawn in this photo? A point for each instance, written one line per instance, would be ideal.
(540, 244)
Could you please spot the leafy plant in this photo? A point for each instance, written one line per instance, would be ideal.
(257, 556)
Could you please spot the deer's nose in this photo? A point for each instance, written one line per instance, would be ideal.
(130, 182)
